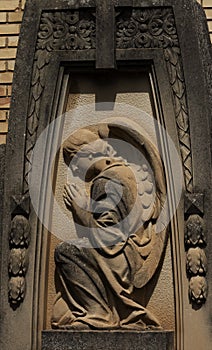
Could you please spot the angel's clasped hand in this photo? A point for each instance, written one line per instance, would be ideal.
(74, 196)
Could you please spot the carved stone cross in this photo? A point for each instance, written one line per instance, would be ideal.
(105, 36)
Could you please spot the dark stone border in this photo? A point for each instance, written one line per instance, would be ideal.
(107, 340)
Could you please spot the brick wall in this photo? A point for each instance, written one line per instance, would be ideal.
(207, 5)
(11, 12)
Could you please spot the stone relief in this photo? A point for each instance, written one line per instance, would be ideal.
(17, 288)
(99, 286)
(198, 290)
(146, 28)
(18, 262)
(19, 239)
(155, 28)
(195, 232)
(70, 30)
(196, 260)
(195, 242)
(135, 28)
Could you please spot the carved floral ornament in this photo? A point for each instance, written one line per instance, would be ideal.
(146, 28)
(66, 31)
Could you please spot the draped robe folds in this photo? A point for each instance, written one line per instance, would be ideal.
(97, 284)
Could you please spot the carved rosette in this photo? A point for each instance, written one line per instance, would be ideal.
(70, 30)
(155, 28)
(196, 264)
(19, 239)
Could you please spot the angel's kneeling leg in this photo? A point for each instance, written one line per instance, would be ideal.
(83, 291)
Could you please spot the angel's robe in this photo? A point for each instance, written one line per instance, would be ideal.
(97, 288)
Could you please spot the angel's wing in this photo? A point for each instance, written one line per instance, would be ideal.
(152, 244)
(150, 265)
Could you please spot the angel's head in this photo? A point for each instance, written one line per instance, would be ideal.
(85, 152)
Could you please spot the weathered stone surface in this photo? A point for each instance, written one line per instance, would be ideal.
(107, 230)
(107, 340)
(181, 79)
(2, 167)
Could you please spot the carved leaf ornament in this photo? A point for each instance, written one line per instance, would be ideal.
(19, 240)
(196, 260)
